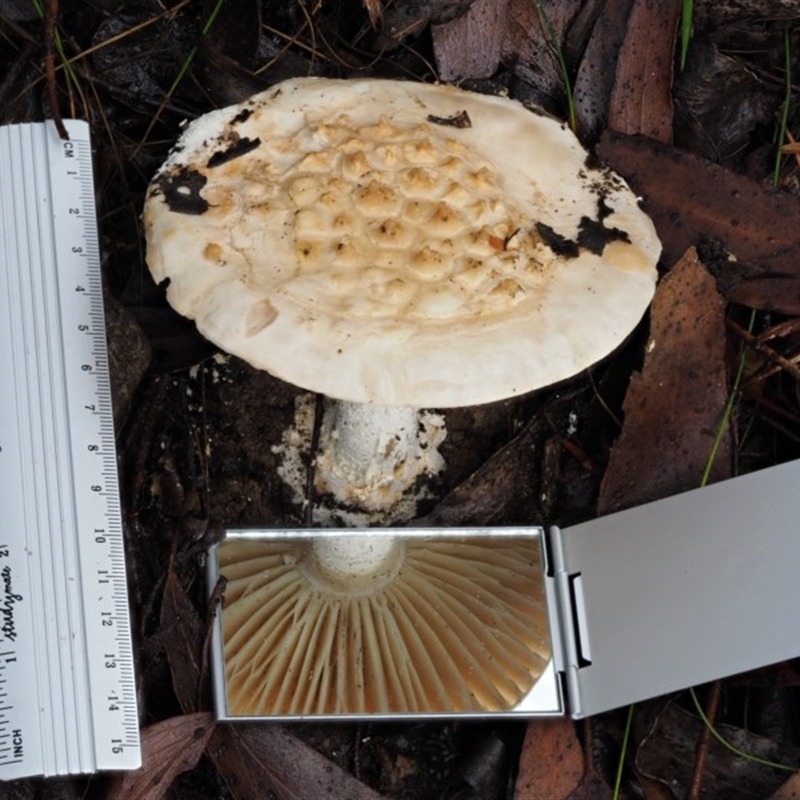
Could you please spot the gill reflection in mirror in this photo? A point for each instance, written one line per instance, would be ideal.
(376, 623)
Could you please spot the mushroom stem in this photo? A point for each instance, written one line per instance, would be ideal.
(352, 555)
(371, 455)
(354, 564)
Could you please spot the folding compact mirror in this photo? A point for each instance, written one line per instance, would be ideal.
(409, 623)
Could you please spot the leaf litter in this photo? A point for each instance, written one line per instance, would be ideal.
(192, 430)
(675, 405)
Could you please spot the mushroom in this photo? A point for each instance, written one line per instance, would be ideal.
(394, 246)
(445, 624)
(397, 246)
(373, 465)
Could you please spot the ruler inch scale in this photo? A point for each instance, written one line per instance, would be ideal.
(67, 685)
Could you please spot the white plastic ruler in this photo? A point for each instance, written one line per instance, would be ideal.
(67, 688)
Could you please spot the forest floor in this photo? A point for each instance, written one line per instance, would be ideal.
(708, 146)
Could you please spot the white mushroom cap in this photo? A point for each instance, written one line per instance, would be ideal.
(443, 625)
(369, 240)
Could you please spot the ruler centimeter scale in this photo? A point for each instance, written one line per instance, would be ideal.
(67, 687)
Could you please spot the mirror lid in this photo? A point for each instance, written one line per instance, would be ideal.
(679, 592)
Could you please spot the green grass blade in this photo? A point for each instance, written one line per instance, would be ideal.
(728, 746)
(787, 100)
(687, 13)
(555, 46)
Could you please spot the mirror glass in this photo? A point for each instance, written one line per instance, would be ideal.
(381, 622)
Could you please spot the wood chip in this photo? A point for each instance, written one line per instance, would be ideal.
(674, 407)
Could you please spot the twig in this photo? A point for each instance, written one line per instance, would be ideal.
(703, 743)
(765, 350)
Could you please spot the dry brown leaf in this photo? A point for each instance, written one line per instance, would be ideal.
(259, 761)
(469, 46)
(674, 406)
(691, 199)
(641, 101)
(169, 748)
(551, 764)
(789, 791)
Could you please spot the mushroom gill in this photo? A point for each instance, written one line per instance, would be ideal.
(438, 624)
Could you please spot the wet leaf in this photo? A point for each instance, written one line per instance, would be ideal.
(667, 754)
(551, 764)
(408, 18)
(674, 406)
(641, 101)
(786, 673)
(691, 199)
(594, 787)
(261, 761)
(596, 74)
(530, 49)
(175, 343)
(236, 32)
(708, 127)
(484, 497)
(483, 773)
(129, 355)
(775, 293)
(138, 57)
(169, 748)
(18, 10)
(183, 633)
(719, 14)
